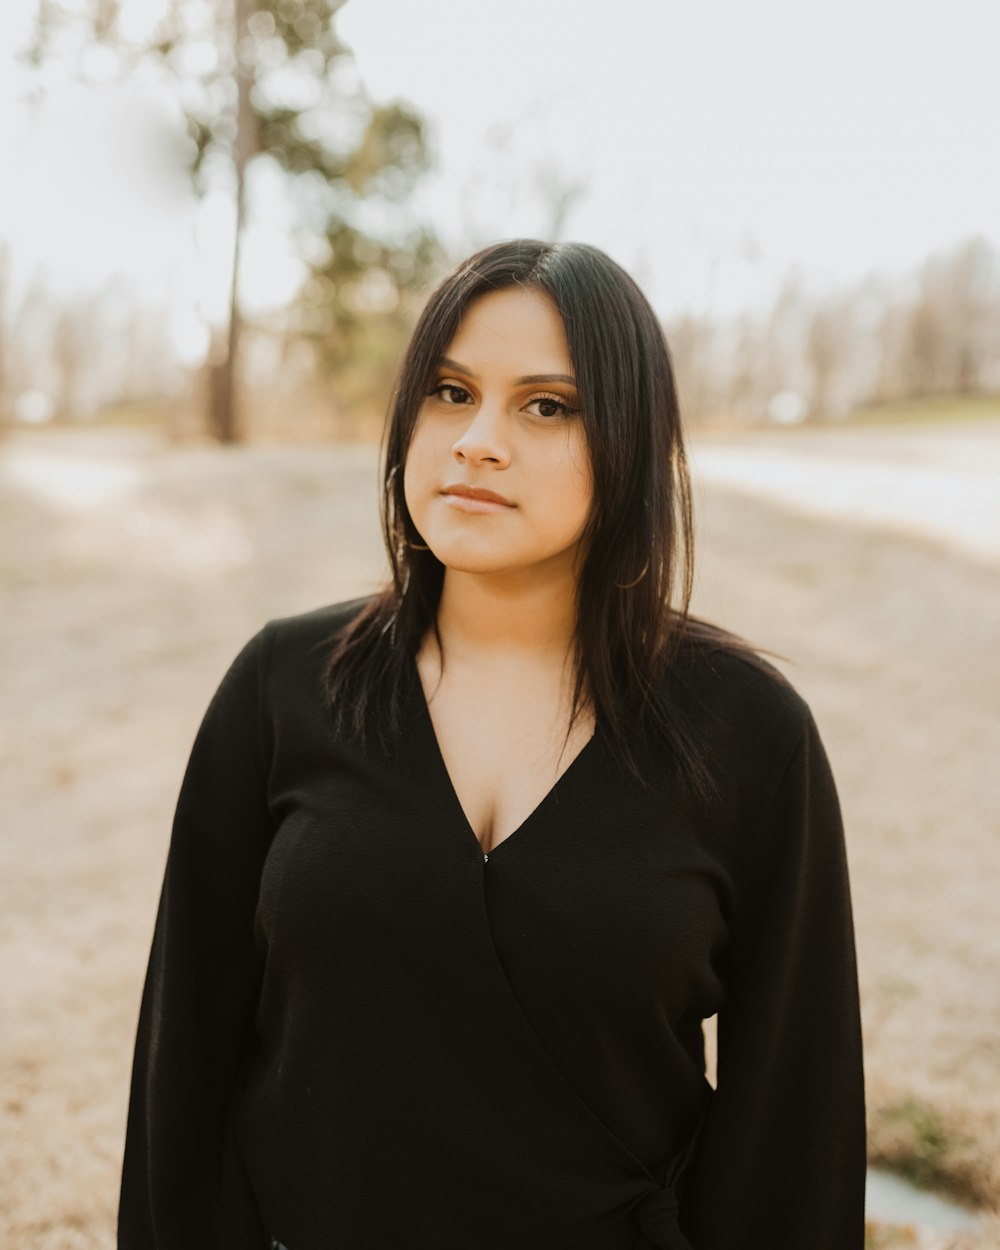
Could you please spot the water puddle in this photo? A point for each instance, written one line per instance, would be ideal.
(890, 1199)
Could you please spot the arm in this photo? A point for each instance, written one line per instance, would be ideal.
(196, 1014)
(781, 1164)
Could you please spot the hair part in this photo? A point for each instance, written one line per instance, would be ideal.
(637, 573)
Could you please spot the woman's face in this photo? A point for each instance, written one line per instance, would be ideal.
(502, 416)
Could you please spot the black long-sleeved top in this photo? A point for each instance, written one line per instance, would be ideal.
(359, 1032)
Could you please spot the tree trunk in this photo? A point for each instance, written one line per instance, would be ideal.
(223, 392)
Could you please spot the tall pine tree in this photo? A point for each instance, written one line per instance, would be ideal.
(269, 80)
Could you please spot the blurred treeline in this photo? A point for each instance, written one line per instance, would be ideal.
(934, 332)
(806, 357)
(269, 82)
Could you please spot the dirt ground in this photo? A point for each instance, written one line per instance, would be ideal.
(133, 572)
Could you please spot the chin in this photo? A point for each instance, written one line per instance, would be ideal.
(475, 564)
(498, 565)
(466, 559)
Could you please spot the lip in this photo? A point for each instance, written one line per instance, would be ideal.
(485, 500)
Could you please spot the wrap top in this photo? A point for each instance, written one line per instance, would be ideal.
(360, 1032)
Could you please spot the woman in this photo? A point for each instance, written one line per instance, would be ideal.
(458, 869)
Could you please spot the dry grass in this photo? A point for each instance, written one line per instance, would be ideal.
(907, 1237)
(123, 612)
(895, 645)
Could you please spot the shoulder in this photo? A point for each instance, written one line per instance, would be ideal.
(286, 646)
(314, 628)
(749, 709)
(743, 685)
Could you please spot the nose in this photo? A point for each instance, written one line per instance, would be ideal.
(484, 439)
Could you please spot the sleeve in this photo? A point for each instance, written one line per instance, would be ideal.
(781, 1160)
(181, 1188)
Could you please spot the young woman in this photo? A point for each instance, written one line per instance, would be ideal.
(459, 869)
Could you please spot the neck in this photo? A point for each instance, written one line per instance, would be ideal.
(507, 616)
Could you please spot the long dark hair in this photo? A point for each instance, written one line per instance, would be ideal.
(638, 538)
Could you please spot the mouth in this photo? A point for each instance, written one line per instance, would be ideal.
(474, 499)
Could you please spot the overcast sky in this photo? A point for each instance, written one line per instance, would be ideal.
(715, 145)
(722, 141)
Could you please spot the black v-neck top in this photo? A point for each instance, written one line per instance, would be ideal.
(359, 1032)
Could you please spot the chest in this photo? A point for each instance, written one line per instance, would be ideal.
(608, 891)
(503, 744)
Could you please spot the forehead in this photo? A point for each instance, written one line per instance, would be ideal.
(516, 328)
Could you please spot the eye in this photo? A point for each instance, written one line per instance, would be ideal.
(456, 394)
(551, 406)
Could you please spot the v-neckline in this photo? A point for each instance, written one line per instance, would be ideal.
(456, 802)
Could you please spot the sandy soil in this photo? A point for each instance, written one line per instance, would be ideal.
(133, 572)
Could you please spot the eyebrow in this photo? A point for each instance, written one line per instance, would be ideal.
(529, 379)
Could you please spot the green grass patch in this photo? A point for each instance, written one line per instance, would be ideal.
(918, 1143)
(939, 409)
(145, 414)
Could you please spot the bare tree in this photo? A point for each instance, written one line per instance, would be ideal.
(831, 353)
(5, 393)
(693, 341)
(953, 324)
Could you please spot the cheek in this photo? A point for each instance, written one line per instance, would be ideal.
(416, 468)
(411, 486)
(574, 477)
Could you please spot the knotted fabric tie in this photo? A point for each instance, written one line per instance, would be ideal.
(657, 1213)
